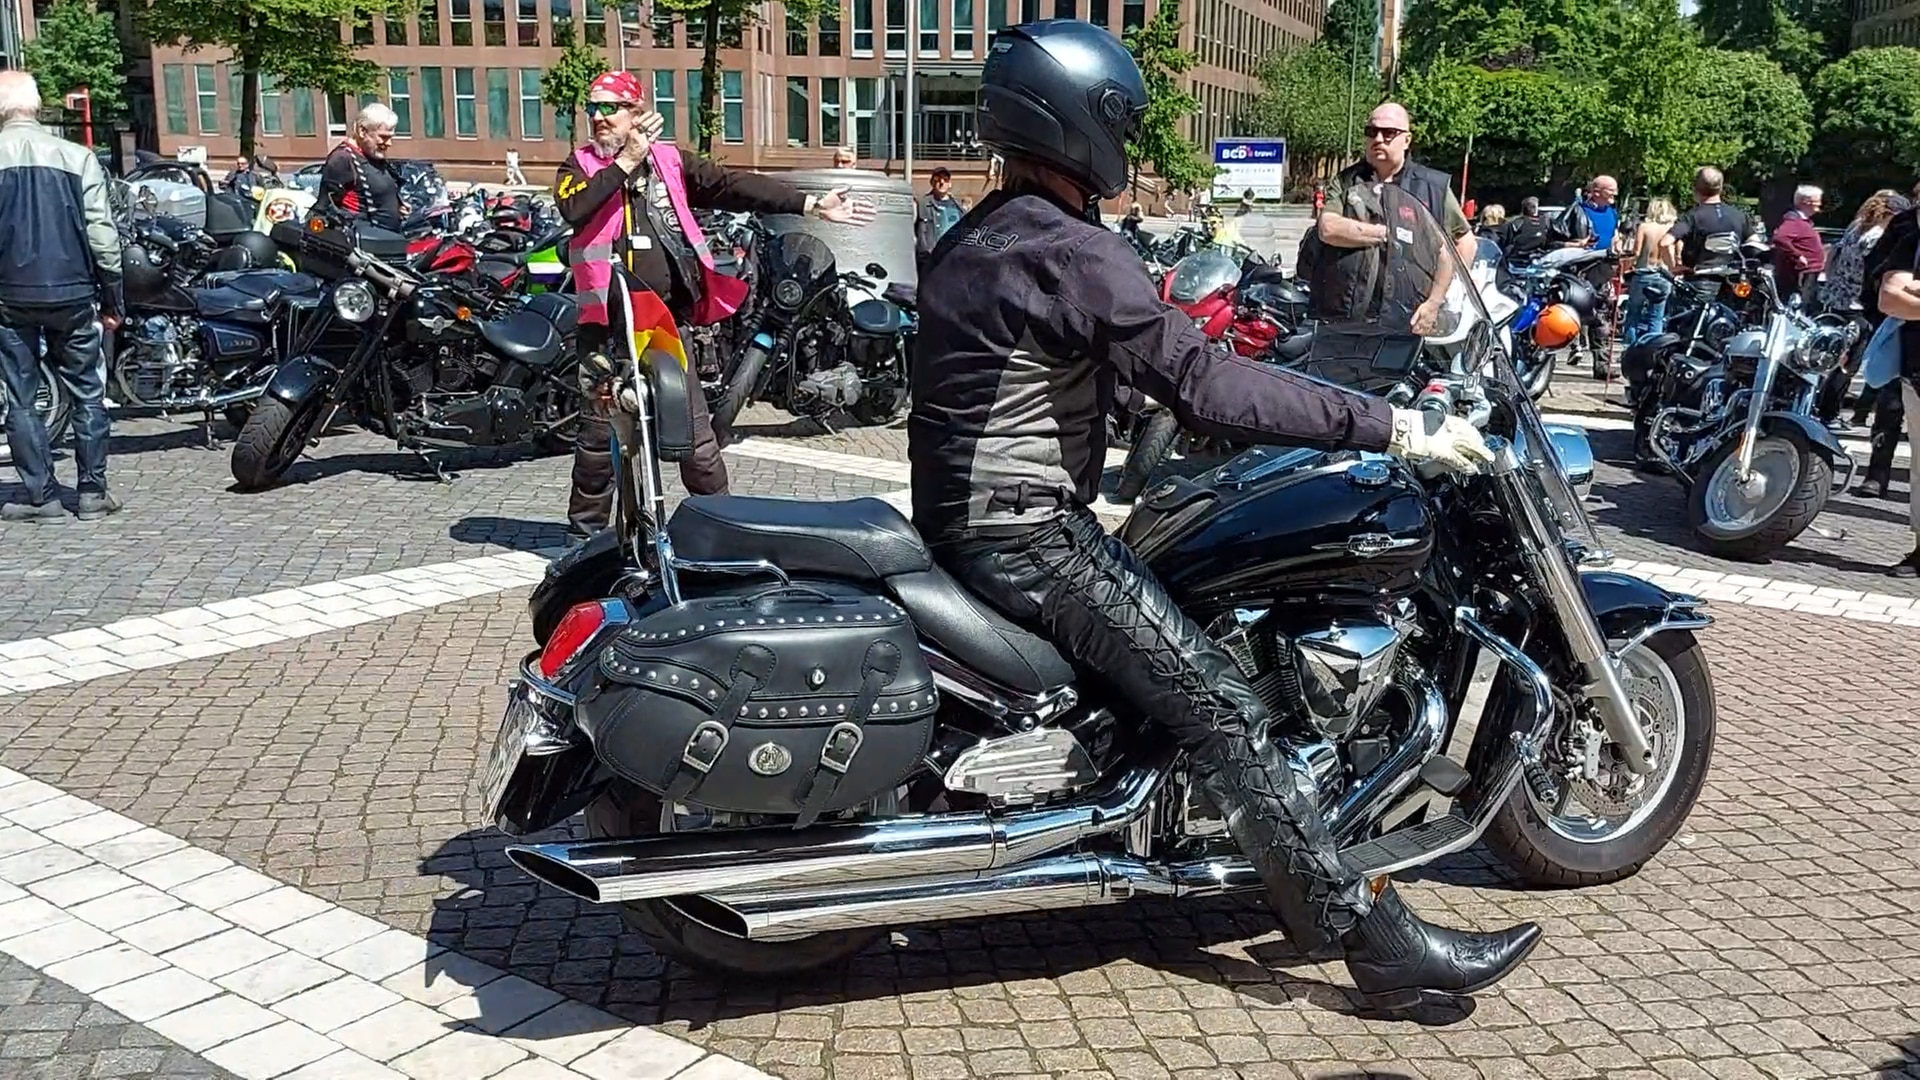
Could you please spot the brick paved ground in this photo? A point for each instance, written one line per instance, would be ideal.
(50, 1031)
(1778, 937)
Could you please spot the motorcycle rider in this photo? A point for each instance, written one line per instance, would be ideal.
(357, 176)
(1015, 367)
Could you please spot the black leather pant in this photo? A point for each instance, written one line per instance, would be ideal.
(590, 505)
(1084, 590)
(1889, 423)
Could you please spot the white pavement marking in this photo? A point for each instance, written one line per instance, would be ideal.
(327, 993)
(1859, 448)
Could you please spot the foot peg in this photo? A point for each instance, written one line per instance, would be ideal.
(1445, 777)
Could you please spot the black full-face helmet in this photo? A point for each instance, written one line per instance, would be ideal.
(1065, 94)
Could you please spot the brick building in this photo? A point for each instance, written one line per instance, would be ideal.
(464, 76)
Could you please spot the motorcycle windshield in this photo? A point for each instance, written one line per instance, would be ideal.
(1406, 318)
(1202, 274)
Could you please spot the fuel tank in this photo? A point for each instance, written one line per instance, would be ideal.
(1277, 526)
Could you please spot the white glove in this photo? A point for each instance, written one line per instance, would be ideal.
(1446, 440)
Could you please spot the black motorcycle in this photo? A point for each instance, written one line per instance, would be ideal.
(812, 353)
(790, 730)
(424, 359)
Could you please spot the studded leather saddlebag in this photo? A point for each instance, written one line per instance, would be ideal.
(798, 700)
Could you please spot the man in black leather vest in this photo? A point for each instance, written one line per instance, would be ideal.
(1348, 243)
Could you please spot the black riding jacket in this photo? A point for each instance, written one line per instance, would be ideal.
(1030, 315)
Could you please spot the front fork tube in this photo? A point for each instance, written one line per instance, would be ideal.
(1554, 572)
(1763, 376)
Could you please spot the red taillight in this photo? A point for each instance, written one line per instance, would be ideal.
(576, 628)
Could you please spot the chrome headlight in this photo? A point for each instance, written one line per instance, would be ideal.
(788, 293)
(1821, 349)
(354, 301)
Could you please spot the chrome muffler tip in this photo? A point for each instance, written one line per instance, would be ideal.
(547, 863)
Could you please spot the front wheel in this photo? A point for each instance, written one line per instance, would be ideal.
(1150, 450)
(740, 388)
(1749, 521)
(273, 439)
(686, 928)
(1562, 829)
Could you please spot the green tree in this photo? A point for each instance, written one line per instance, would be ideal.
(271, 37)
(564, 85)
(1528, 128)
(1352, 26)
(1759, 114)
(1163, 65)
(1799, 35)
(1307, 99)
(77, 46)
(735, 17)
(1866, 119)
(1500, 34)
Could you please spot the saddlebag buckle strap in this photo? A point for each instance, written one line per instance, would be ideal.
(703, 749)
(836, 757)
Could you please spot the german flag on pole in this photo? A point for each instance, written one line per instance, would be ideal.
(653, 327)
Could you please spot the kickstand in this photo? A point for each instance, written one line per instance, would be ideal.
(206, 429)
(439, 471)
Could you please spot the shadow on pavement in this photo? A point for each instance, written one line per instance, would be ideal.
(514, 534)
(1904, 1067)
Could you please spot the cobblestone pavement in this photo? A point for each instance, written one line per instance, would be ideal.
(358, 506)
(50, 1031)
(1778, 936)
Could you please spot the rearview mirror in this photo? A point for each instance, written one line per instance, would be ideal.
(876, 271)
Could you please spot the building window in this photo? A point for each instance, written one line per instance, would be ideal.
(465, 124)
(1029, 11)
(796, 37)
(400, 97)
(1133, 14)
(733, 108)
(527, 18)
(303, 121)
(1063, 9)
(596, 22)
(561, 13)
(206, 96)
(929, 27)
(696, 98)
(429, 16)
(530, 126)
(962, 29)
(234, 96)
(270, 106)
(663, 100)
(662, 30)
(499, 104)
(396, 23)
(173, 80)
(830, 130)
(896, 27)
(996, 15)
(460, 16)
(863, 27)
(830, 33)
(493, 14)
(696, 33)
(1097, 13)
(866, 93)
(799, 111)
(363, 30)
(433, 104)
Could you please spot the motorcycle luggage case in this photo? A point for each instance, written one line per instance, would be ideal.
(797, 700)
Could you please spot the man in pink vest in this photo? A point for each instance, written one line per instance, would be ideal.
(630, 200)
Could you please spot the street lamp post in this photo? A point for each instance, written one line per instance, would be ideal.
(913, 46)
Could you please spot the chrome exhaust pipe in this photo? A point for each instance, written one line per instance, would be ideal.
(1055, 884)
(1392, 777)
(941, 845)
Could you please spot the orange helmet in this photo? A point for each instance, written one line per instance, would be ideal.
(1557, 325)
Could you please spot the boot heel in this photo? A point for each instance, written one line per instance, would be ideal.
(1396, 1000)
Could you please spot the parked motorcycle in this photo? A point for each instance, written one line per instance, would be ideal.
(419, 357)
(790, 731)
(1736, 424)
(818, 347)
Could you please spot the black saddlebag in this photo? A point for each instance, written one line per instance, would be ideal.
(797, 700)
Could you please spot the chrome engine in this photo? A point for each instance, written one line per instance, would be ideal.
(159, 363)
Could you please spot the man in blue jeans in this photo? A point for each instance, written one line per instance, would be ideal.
(59, 280)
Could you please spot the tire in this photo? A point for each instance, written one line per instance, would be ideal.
(1780, 528)
(879, 409)
(272, 440)
(1151, 450)
(1539, 379)
(627, 811)
(740, 387)
(236, 415)
(1545, 858)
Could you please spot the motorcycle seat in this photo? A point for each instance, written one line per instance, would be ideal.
(559, 310)
(251, 296)
(1295, 347)
(868, 540)
(900, 293)
(523, 337)
(860, 539)
(876, 317)
(500, 267)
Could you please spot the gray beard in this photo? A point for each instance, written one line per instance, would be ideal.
(609, 146)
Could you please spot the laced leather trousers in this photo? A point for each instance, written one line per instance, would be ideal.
(1084, 590)
(590, 505)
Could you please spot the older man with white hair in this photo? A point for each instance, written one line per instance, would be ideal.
(59, 280)
(358, 178)
(1798, 252)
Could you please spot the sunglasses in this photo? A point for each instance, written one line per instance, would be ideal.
(1387, 133)
(606, 108)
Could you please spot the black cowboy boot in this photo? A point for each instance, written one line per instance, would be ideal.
(1395, 956)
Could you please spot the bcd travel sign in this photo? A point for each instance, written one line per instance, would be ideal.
(1260, 164)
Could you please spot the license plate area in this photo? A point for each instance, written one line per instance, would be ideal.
(540, 763)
